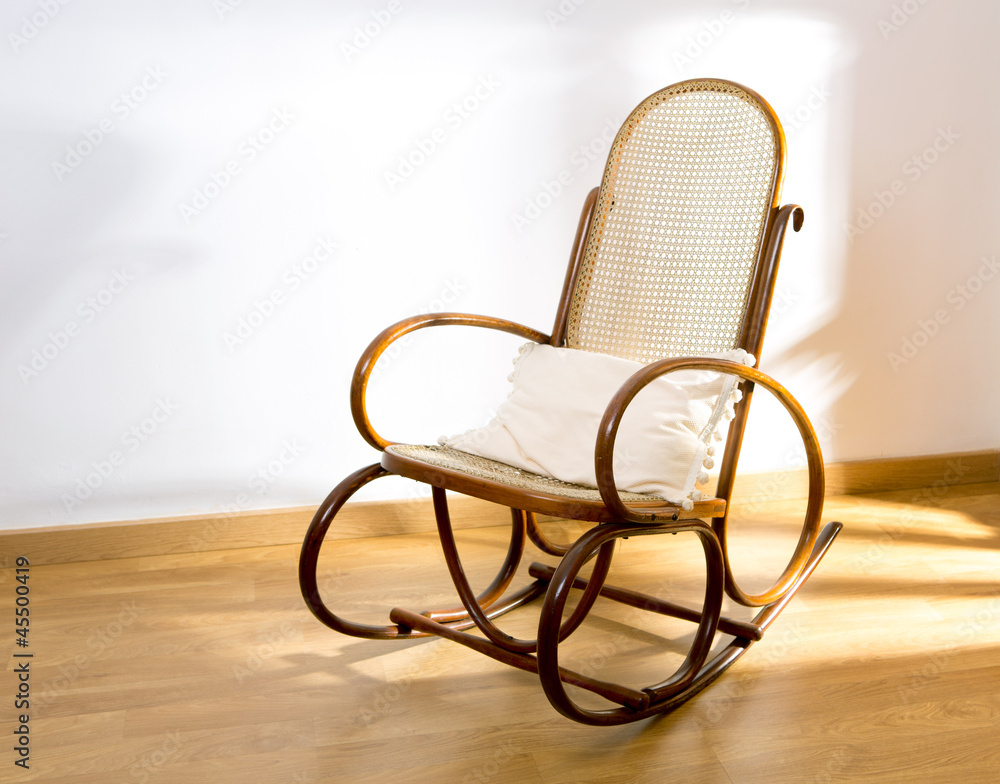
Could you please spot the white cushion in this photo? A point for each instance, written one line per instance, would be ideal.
(549, 422)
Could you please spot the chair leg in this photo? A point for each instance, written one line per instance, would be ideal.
(564, 581)
(474, 605)
(489, 597)
(695, 673)
(309, 556)
(489, 601)
(541, 541)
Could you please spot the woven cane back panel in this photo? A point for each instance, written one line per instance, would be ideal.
(678, 224)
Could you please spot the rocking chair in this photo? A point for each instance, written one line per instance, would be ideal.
(674, 263)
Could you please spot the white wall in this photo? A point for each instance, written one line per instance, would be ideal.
(179, 335)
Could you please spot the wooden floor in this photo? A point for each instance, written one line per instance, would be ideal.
(208, 668)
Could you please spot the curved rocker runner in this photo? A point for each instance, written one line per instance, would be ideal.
(670, 280)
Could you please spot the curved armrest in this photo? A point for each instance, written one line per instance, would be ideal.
(604, 448)
(604, 452)
(366, 364)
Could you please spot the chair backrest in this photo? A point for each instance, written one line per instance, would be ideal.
(679, 226)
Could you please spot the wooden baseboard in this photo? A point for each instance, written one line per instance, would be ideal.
(131, 539)
(874, 476)
(226, 531)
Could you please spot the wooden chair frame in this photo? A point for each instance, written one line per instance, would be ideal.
(613, 518)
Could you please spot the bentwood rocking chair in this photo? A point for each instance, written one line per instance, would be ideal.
(671, 276)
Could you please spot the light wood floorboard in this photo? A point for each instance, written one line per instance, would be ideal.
(206, 667)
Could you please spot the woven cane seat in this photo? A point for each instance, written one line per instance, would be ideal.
(546, 493)
(483, 468)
